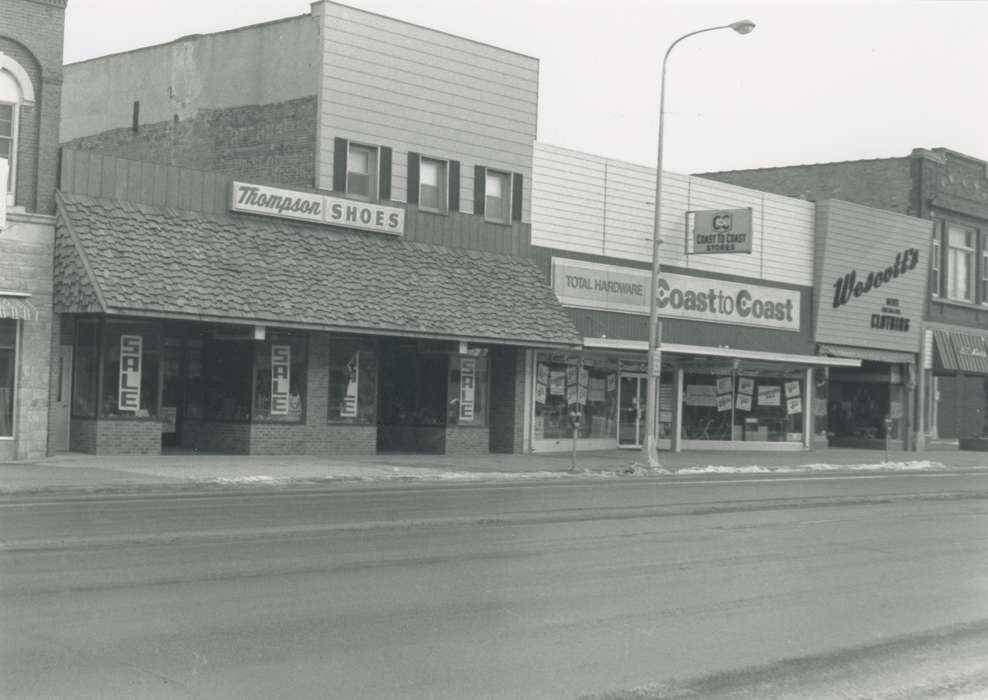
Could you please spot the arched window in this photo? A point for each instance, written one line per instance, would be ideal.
(16, 91)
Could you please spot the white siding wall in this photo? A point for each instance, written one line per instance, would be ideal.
(588, 204)
(389, 83)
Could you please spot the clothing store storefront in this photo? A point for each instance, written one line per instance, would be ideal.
(234, 333)
(872, 274)
(737, 362)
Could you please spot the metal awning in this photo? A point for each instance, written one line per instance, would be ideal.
(892, 357)
(730, 353)
(960, 352)
(17, 307)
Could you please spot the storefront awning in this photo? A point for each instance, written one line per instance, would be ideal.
(870, 354)
(960, 352)
(17, 307)
(729, 353)
(138, 260)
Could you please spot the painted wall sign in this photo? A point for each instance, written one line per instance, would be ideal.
(721, 231)
(872, 276)
(468, 388)
(281, 370)
(316, 208)
(349, 407)
(591, 285)
(129, 387)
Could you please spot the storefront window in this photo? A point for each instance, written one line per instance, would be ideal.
(564, 383)
(749, 404)
(8, 363)
(468, 391)
(85, 390)
(861, 398)
(279, 378)
(225, 378)
(131, 358)
(353, 366)
(821, 396)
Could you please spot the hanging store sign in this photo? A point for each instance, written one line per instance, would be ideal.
(281, 369)
(720, 231)
(316, 208)
(589, 285)
(468, 388)
(349, 407)
(129, 386)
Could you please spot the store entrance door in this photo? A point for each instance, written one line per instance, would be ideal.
(631, 410)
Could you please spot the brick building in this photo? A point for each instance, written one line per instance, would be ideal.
(304, 236)
(951, 189)
(30, 89)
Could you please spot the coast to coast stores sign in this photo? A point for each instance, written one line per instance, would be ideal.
(590, 285)
(720, 231)
(316, 208)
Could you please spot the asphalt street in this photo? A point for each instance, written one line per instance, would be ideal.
(796, 586)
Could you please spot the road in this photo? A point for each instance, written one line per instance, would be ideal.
(734, 587)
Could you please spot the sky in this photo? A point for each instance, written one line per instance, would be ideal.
(814, 82)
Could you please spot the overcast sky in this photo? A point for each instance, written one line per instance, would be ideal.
(814, 82)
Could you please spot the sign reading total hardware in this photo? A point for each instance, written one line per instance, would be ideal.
(317, 208)
(722, 231)
(611, 288)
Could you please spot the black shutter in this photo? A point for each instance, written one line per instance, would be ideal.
(454, 185)
(413, 178)
(340, 147)
(516, 195)
(384, 186)
(479, 189)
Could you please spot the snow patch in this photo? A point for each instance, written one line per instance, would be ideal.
(916, 465)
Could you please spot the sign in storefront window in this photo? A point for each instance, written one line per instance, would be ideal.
(353, 377)
(569, 383)
(131, 357)
(129, 391)
(279, 384)
(468, 391)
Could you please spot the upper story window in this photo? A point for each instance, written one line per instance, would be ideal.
(361, 171)
(936, 260)
(960, 263)
(432, 184)
(497, 204)
(11, 97)
(984, 269)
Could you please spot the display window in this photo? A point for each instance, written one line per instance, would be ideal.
(218, 378)
(468, 391)
(353, 378)
(744, 404)
(8, 364)
(565, 383)
(860, 399)
(85, 388)
(279, 378)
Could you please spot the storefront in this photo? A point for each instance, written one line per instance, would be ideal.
(737, 371)
(232, 333)
(957, 363)
(872, 273)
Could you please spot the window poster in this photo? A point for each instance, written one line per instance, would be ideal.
(769, 395)
(584, 377)
(597, 389)
(540, 393)
(746, 385)
(701, 395)
(129, 387)
(611, 383)
(724, 385)
(281, 370)
(349, 407)
(468, 388)
(557, 383)
(724, 402)
(571, 395)
(743, 402)
(571, 376)
(895, 409)
(539, 427)
(543, 373)
(794, 405)
(581, 395)
(792, 389)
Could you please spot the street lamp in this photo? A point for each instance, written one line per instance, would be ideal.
(650, 452)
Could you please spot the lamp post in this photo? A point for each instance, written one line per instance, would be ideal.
(650, 452)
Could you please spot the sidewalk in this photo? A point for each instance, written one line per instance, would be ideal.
(88, 473)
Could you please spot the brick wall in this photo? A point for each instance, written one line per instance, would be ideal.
(467, 441)
(275, 438)
(116, 437)
(271, 143)
(216, 436)
(884, 183)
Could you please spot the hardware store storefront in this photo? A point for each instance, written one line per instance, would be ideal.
(737, 362)
(241, 334)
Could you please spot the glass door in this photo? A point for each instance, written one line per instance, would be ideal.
(631, 410)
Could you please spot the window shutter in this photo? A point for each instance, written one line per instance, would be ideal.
(945, 280)
(479, 189)
(516, 195)
(454, 185)
(413, 178)
(384, 186)
(340, 147)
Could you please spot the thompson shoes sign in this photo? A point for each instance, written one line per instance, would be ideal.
(589, 285)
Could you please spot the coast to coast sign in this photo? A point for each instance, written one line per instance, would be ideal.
(721, 231)
(589, 285)
(317, 208)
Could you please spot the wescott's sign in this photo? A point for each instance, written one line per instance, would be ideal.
(611, 288)
(317, 208)
(890, 316)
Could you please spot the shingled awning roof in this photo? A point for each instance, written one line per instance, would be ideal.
(126, 259)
